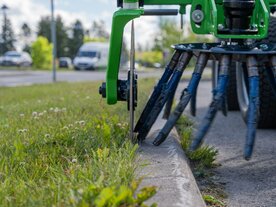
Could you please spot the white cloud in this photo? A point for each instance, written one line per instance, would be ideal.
(145, 29)
(30, 11)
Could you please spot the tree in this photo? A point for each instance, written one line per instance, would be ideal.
(42, 53)
(26, 30)
(77, 38)
(7, 36)
(27, 48)
(99, 30)
(44, 29)
(169, 33)
(26, 33)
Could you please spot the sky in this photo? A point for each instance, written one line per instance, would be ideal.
(30, 11)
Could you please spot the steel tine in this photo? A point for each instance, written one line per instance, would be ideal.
(193, 104)
(157, 89)
(168, 107)
(186, 97)
(167, 89)
(218, 95)
(254, 102)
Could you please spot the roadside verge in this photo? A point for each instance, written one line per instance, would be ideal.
(167, 168)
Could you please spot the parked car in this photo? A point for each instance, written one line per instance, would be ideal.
(65, 62)
(91, 55)
(14, 58)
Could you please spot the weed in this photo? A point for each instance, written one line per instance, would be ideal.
(210, 200)
(204, 156)
(202, 161)
(60, 145)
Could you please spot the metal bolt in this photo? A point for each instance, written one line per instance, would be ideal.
(197, 16)
(249, 42)
(204, 46)
(220, 27)
(264, 46)
(254, 26)
(223, 43)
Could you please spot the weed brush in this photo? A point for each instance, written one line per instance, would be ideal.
(239, 24)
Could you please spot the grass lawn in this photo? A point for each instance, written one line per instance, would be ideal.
(62, 145)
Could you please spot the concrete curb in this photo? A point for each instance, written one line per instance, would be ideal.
(168, 169)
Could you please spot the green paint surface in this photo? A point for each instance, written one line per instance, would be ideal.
(213, 16)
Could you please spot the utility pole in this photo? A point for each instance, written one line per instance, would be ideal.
(54, 40)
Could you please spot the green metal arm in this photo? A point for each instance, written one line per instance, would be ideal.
(120, 19)
(213, 18)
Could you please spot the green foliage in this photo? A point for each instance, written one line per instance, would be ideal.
(27, 49)
(60, 145)
(99, 30)
(149, 57)
(204, 156)
(77, 40)
(170, 33)
(210, 200)
(7, 36)
(26, 30)
(44, 29)
(94, 39)
(112, 196)
(41, 53)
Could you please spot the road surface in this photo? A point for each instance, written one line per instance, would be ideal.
(17, 77)
(248, 183)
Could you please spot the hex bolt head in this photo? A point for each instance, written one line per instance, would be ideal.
(197, 16)
(264, 46)
(220, 27)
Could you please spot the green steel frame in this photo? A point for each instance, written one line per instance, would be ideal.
(213, 17)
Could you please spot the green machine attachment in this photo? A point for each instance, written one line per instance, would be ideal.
(233, 21)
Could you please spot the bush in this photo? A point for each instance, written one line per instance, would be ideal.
(42, 53)
(150, 58)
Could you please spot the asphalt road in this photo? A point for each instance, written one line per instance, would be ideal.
(17, 77)
(248, 183)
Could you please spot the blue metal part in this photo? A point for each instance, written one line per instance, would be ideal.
(218, 96)
(254, 102)
(163, 98)
(157, 90)
(184, 100)
(252, 116)
(223, 106)
(187, 94)
(193, 104)
(168, 107)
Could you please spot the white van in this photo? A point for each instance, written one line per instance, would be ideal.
(91, 55)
